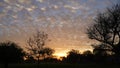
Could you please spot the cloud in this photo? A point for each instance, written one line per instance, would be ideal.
(43, 9)
(64, 20)
(25, 2)
(41, 1)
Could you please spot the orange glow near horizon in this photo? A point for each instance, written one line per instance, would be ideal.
(60, 54)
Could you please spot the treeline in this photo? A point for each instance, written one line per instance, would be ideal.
(10, 52)
(91, 57)
(97, 56)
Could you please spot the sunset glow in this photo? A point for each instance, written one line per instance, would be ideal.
(62, 54)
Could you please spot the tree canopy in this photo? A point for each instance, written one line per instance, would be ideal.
(106, 28)
(10, 52)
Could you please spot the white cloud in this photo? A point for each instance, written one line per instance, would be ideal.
(43, 9)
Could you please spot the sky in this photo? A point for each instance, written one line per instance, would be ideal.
(65, 21)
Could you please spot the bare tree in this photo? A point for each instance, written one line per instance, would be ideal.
(106, 28)
(36, 43)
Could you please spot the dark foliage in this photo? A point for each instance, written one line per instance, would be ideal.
(73, 56)
(10, 52)
(106, 28)
(51, 60)
(46, 52)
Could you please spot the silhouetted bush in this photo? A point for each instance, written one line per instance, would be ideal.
(10, 52)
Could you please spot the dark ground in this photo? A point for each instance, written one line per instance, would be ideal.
(61, 65)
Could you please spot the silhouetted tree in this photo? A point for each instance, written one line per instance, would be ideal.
(36, 45)
(10, 52)
(88, 56)
(73, 56)
(102, 53)
(102, 50)
(86, 53)
(106, 28)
